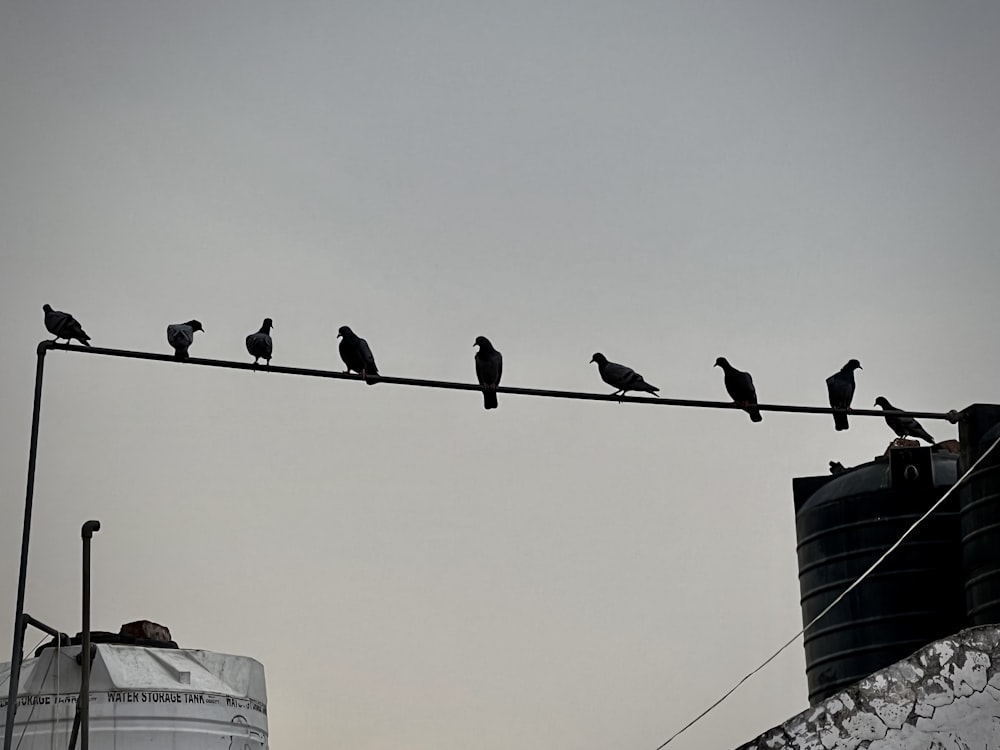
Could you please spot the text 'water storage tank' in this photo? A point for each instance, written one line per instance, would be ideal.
(844, 524)
(150, 698)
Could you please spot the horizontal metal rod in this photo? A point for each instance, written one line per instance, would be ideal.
(952, 416)
(39, 625)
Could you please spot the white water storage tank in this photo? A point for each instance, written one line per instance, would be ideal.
(140, 697)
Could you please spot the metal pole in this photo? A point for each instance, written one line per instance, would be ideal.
(87, 533)
(18, 646)
(952, 416)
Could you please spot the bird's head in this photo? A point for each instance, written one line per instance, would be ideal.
(268, 324)
(47, 308)
(195, 325)
(853, 365)
(599, 358)
(483, 342)
(721, 362)
(883, 402)
(344, 331)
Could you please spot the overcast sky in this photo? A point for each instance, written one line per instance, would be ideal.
(789, 185)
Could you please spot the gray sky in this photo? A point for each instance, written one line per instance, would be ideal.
(786, 184)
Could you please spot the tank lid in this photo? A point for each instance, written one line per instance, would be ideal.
(138, 633)
(870, 477)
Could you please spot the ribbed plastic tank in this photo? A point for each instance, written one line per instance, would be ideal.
(980, 502)
(150, 698)
(844, 524)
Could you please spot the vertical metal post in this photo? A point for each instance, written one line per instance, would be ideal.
(18, 647)
(86, 533)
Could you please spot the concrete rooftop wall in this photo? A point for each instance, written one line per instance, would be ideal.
(946, 696)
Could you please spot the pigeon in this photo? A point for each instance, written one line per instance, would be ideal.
(356, 353)
(181, 335)
(489, 367)
(840, 387)
(739, 385)
(903, 426)
(622, 378)
(62, 325)
(259, 344)
(837, 468)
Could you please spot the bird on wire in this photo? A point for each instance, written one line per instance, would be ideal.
(903, 426)
(840, 388)
(259, 344)
(181, 335)
(62, 325)
(739, 386)
(357, 355)
(489, 368)
(620, 377)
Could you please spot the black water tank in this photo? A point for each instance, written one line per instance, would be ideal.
(980, 502)
(844, 524)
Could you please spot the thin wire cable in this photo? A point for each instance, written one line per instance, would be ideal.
(951, 416)
(6, 679)
(31, 713)
(836, 601)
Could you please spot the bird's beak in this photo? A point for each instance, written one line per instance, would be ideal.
(339, 335)
(875, 404)
(716, 364)
(860, 367)
(592, 360)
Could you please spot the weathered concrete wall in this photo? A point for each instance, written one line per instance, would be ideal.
(944, 697)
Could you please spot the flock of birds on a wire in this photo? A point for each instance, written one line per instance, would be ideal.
(358, 358)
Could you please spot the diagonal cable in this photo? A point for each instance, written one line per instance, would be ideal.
(836, 601)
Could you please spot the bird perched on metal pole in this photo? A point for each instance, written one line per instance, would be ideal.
(840, 388)
(620, 377)
(739, 386)
(357, 355)
(259, 344)
(181, 335)
(489, 368)
(903, 426)
(62, 325)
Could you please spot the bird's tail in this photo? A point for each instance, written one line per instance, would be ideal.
(86, 341)
(754, 414)
(925, 436)
(840, 420)
(648, 388)
(181, 354)
(489, 399)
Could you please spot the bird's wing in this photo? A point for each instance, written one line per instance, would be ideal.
(180, 336)
(489, 367)
(840, 389)
(365, 353)
(259, 345)
(620, 376)
(739, 386)
(56, 321)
